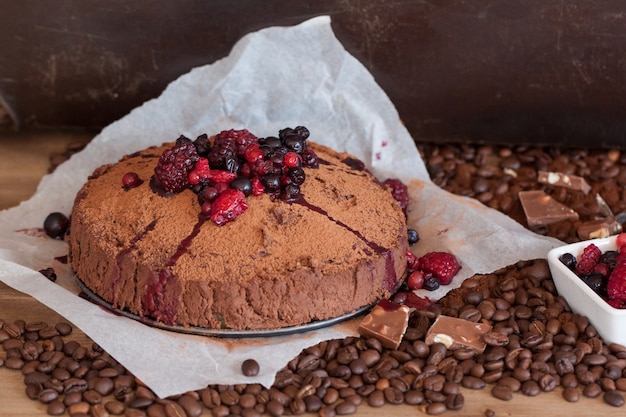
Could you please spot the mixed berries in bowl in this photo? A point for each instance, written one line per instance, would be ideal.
(591, 276)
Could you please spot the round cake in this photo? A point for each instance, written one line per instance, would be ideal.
(269, 233)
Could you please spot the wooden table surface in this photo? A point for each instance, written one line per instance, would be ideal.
(25, 158)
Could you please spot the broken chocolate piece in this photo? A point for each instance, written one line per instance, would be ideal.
(457, 333)
(387, 322)
(560, 179)
(598, 229)
(541, 209)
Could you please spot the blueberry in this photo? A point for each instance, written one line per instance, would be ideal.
(271, 182)
(242, 184)
(568, 260)
(295, 143)
(413, 236)
(231, 163)
(610, 258)
(272, 141)
(301, 131)
(292, 189)
(55, 225)
(431, 283)
(596, 282)
(296, 175)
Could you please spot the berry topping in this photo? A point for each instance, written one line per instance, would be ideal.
(235, 160)
(399, 191)
(442, 265)
(175, 164)
(55, 225)
(228, 206)
(130, 180)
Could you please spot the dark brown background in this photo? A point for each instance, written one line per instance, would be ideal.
(518, 71)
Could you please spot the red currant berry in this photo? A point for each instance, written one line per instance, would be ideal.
(130, 180)
(416, 280)
(292, 160)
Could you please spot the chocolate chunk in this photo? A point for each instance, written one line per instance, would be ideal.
(387, 322)
(457, 333)
(598, 229)
(541, 209)
(560, 179)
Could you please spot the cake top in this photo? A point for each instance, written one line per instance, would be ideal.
(289, 204)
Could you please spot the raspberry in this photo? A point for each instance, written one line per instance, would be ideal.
(228, 206)
(588, 259)
(442, 265)
(616, 286)
(399, 191)
(217, 175)
(200, 171)
(175, 164)
(412, 261)
(257, 187)
(620, 240)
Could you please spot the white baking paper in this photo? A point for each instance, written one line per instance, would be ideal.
(274, 78)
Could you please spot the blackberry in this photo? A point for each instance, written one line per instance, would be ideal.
(175, 164)
(202, 144)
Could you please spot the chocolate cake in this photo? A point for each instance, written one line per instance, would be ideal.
(336, 244)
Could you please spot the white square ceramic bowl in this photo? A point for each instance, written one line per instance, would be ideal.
(609, 322)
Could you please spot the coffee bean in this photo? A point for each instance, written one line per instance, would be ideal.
(434, 409)
(250, 367)
(613, 398)
(345, 408)
(502, 392)
(115, 407)
(173, 409)
(571, 394)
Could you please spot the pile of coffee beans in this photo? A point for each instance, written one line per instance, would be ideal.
(495, 175)
(536, 345)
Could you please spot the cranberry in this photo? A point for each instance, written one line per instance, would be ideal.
(130, 180)
(55, 225)
(210, 193)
